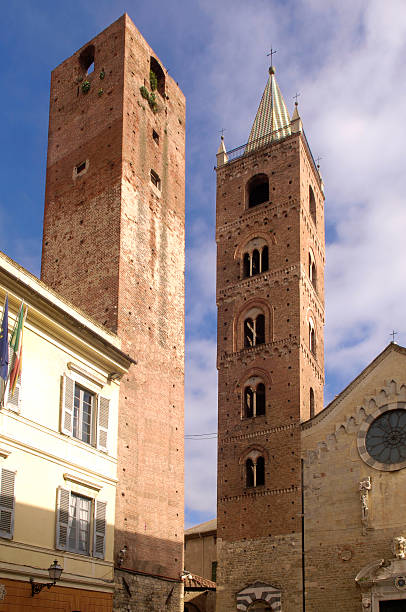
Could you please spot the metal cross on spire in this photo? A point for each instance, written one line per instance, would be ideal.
(393, 334)
(271, 53)
(295, 97)
(222, 132)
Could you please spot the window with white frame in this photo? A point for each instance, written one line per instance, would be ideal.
(83, 411)
(85, 414)
(80, 524)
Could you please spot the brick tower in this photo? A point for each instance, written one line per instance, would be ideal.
(270, 297)
(114, 245)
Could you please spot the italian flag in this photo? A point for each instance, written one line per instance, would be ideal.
(16, 344)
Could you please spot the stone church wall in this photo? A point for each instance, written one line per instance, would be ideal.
(340, 537)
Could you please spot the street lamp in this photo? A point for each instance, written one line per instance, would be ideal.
(54, 571)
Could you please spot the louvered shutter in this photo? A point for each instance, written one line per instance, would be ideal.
(67, 405)
(13, 401)
(62, 518)
(99, 537)
(7, 504)
(103, 423)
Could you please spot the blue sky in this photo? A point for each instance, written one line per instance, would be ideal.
(347, 62)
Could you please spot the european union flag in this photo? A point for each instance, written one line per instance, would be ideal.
(4, 343)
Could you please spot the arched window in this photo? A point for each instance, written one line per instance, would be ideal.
(250, 473)
(254, 331)
(159, 80)
(254, 401)
(255, 472)
(312, 336)
(258, 190)
(86, 59)
(311, 402)
(312, 204)
(312, 269)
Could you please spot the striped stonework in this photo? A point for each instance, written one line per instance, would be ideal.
(361, 438)
(272, 121)
(259, 591)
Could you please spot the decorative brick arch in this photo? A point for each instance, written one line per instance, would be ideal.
(259, 591)
(267, 237)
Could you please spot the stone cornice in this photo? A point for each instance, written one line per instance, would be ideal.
(252, 351)
(253, 282)
(256, 434)
(260, 493)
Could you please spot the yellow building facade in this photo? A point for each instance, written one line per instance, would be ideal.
(58, 454)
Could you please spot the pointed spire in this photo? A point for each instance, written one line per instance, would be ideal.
(296, 122)
(222, 157)
(272, 121)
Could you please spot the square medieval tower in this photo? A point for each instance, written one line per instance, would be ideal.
(113, 244)
(270, 298)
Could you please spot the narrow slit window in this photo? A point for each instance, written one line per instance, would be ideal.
(155, 136)
(311, 402)
(80, 167)
(155, 180)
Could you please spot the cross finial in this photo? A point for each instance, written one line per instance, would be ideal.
(295, 97)
(222, 132)
(318, 159)
(393, 334)
(271, 53)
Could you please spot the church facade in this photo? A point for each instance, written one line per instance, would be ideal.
(311, 501)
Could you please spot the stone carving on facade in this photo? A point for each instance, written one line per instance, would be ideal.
(3, 592)
(399, 547)
(364, 488)
(384, 579)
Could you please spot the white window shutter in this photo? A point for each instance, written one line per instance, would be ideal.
(68, 393)
(7, 504)
(13, 401)
(99, 536)
(62, 518)
(103, 422)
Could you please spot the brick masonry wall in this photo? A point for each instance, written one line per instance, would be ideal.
(136, 593)
(114, 245)
(259, 518)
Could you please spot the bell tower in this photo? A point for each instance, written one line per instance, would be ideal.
(270, 298)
